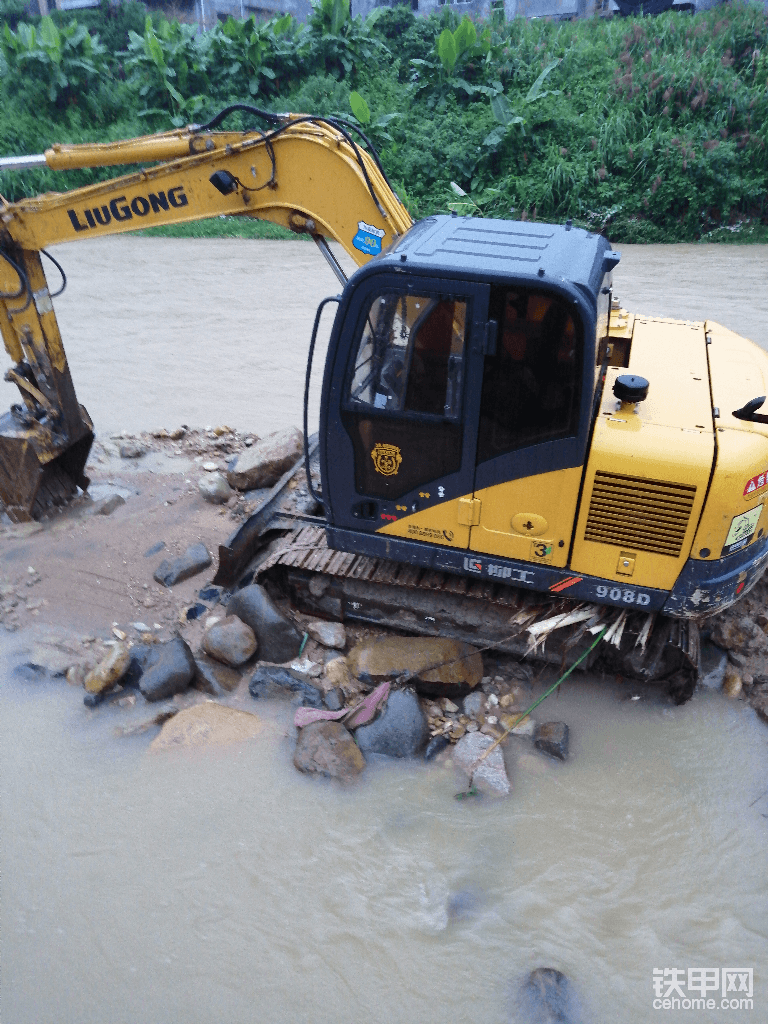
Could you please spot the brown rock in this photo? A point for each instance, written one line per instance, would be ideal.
(207, 724)
(230, 641)
(732, 683)
(110, 670)
(213, 677)
(265, 462)
(327, 748)
(438, 666)
(337, 674)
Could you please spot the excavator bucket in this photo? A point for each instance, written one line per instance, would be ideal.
(36, 474)
(46, 439)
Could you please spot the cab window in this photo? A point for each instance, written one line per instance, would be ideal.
(532, 384)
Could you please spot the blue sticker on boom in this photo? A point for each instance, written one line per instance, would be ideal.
(368, 238)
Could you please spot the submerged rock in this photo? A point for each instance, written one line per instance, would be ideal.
(552, 738)
(438, 666)
(491, 773)
(276, 681)
(327, 748)
(264, 463)
(436, 746)
(547, 998)
(174, 570)
(109, 671)
(107, 506)
(401, 730)
(279, 640)
(205, 725)
(168, 668)
(230, 641)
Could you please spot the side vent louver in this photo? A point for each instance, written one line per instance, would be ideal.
(632, 512)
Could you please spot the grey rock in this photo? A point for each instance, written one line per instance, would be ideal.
(107, 506)
(436, 746)
(174, 570)
(213, 677)
(154, 549)
(334, 699)
(737, 659)
(713, 665)
(474, 704)
(276, 681)
(327, 748)
(215, 489)
(168, 668)
(552, 738)
(547, 998)
(230, 641)
(265, 462)
(490, 774)
(279, 640)
(329, 634)
(401, 730)
(132, 450)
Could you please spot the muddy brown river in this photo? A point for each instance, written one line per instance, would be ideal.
(198, 887)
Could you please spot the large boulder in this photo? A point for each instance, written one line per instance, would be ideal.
(279, 640)
(265, 462)
(168, 668)
(276, 681)
(401, 730)
(436, 666)
(205, 725)
(230, 641)
(174, 570)
(326, 748)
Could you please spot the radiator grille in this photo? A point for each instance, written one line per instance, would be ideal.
(632, 512)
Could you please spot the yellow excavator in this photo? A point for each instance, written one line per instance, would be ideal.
(503, 451)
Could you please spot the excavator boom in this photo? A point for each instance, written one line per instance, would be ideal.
(304, 173)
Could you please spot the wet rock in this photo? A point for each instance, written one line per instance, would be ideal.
(732, 683)
(168, 668)
(211, 595)
(276, 681)
(194, 612)
(734, 657)
(525, 728)
(132, 450)
(337, 674)
(208, 724)
(107, 506)
(154, 549)
(438, 666)
(334, 699)
(326, 748)
(738, 633)
(328, 634)
(214, 488)
(547, 998)
(401, 730)
(30, 672)
(213, 677)
(174, 570)
(552, 739)
(435, 746)
(230, 641)
(109, 671)
(713, 665)
(264, 463)
(279, 640)
(490, 774)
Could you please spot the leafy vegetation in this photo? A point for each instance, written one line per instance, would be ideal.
(652, 129)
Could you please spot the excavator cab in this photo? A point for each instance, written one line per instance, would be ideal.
(458, 394)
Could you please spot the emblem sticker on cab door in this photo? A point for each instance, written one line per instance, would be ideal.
(386, 459)
(742, 530)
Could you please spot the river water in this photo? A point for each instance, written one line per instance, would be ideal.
(223, 886)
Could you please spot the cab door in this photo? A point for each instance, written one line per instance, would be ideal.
(401, 415)
(533, 425)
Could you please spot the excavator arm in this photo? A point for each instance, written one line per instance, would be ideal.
(304, 173)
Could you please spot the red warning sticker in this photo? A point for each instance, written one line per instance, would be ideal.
(757, 483)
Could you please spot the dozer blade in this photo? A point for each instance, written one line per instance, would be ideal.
(40, 470)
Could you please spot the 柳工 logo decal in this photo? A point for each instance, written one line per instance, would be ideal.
(564, 584)
(386, 459)
(368, 238)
